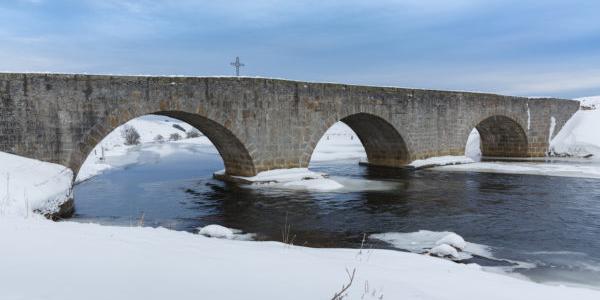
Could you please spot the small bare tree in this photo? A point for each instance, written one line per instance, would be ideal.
(159, 138)
(174, 137)
(193, 133)
(130, 134)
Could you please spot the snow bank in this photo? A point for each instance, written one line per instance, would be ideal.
(440, 161)
(148, 127)
(590, 102)
(28, 185)
(320, 184)
(579, 136)
(473, 148)
(101, 262)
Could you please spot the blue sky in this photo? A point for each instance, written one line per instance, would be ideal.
(529, 48)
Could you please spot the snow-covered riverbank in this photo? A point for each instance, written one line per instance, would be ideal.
(48, 260)
(29, 185)
(579, 137)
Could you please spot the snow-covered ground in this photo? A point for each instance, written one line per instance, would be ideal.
(579, 137)
(65, 260)
(28, 185)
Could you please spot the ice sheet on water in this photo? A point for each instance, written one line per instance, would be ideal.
(331, 184)
(305, 179)
(294, 178)
(441, 161)
(559, 167)
(429, 242)
(319, 184)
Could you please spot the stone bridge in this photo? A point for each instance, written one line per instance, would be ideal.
(261, 124)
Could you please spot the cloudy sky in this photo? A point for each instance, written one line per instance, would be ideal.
(530, 48)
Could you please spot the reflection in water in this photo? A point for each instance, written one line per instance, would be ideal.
(553, 222)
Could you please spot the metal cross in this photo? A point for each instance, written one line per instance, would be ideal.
(237, 65)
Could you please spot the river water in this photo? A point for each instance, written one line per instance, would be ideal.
(550, 224)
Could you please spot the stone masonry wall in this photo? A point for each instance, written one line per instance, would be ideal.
(261, 124)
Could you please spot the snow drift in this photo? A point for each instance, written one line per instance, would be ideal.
(579, 136)
(29, 185)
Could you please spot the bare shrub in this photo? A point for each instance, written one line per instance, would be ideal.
(159, 138)
(193, 133)
(344, 290)
(130, 134)
(174, 137)
(286, 232)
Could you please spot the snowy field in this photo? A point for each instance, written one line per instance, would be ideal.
(158, 263)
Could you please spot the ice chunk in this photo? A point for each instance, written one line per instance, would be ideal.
(453, 240)
(444, 250)
(217, 231)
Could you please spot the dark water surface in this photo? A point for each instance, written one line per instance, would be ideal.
(552, 222)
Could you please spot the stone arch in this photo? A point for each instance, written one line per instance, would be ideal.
(234, 152)
(502, 136)
(382, 142)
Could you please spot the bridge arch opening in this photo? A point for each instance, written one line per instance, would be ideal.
(161, 128)
(497, 136)
(339, 142)
(382, 144)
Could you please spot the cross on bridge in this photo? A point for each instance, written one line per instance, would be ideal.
(237, 65)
